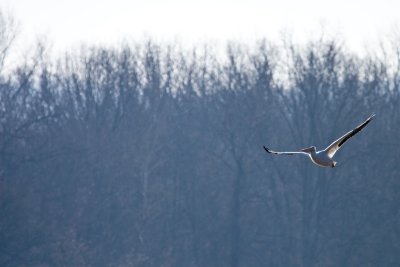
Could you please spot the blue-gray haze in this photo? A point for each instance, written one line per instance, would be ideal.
(148, 156)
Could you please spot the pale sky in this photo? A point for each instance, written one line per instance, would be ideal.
(68, 23)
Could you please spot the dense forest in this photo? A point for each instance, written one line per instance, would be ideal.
(147, 154)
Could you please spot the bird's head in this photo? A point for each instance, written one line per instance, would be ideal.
(309, 149)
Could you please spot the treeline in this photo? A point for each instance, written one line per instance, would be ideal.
(148, 155)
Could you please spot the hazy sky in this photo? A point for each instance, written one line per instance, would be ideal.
(67, 23)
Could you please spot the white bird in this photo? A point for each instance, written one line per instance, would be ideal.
(323, 158)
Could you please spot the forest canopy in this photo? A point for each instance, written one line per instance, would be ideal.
(147, 154)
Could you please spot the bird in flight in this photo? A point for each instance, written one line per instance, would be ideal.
(323, 158)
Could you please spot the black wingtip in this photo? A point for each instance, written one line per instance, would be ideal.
(369, 119)
(357, 129)
(266, 149)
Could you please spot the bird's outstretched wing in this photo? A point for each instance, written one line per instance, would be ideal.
(334, 147)
(283, 153)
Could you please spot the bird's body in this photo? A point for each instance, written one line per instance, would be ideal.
(323, 158)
